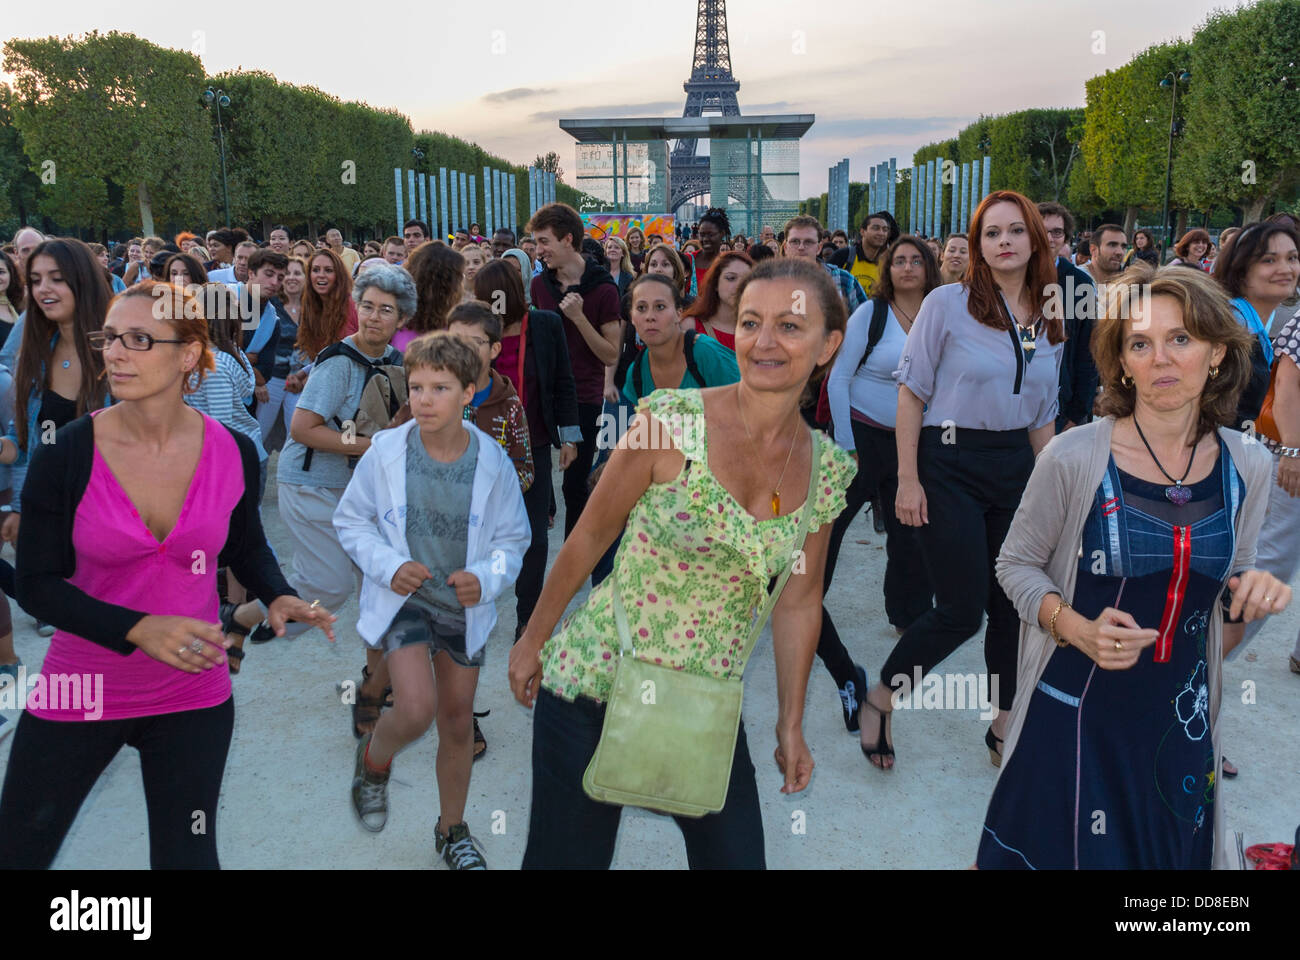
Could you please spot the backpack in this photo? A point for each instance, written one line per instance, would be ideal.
(879, 317)
(382, 394)
(638, 378)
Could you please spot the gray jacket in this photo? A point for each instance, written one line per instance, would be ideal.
(1041, 554)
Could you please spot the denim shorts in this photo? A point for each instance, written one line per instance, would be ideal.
(415, 623)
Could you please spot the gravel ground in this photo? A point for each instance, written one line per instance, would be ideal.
(285, 801)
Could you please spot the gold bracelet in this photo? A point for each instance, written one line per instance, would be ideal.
(1051, 625)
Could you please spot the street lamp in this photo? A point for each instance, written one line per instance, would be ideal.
(1171, 81)
(219, 97)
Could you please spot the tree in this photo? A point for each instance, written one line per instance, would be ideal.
(113, 107)
(1242, 109)
(550, 163)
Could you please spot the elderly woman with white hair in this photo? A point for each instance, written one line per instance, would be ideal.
(323, 447)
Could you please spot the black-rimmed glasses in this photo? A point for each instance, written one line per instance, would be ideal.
(132, 340)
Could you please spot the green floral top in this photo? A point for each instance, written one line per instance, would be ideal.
(693, 567)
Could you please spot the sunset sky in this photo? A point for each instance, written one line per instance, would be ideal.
(882, 78)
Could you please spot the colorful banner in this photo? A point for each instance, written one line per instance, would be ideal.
(601, 225)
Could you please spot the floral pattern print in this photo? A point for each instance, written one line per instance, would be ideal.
(693, 568)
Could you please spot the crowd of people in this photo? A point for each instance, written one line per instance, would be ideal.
(1094, 455)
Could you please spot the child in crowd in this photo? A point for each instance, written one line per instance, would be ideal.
(434, 518)
(496, 408)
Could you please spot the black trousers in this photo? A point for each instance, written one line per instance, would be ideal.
(568, 829)
(574, 486)
(907, 584)
(54, 764)
(972, 489)
(537, 503)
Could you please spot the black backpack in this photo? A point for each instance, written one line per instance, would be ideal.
(638, 378)
(384, 389)
(879, 317)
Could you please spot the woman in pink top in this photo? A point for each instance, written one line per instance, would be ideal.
(136, 506)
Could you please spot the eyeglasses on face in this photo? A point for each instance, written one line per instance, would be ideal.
(1058, 233)
(906, 261)
(365, 308)
(132, 340)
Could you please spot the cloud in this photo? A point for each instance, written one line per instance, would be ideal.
(655, 108)
(876, 126)
(517, 93)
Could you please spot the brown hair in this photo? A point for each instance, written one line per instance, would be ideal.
(193, 268)
(176, 304)
(14, 289)
(264, 256)
(679, 269)
(814, 276)
(802, 221)
(1184, 245)
(1053, 209)
(439, 350)
(323, 318)
(475, 313)
(707, 301)
(502, 275)
(85, 278)
(884, 288)
(439, 275)
(561, 219)
(1207, 316)
(1244, 249)
(984, 301)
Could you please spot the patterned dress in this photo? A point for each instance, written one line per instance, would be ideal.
(693, 567)
(1115, 768)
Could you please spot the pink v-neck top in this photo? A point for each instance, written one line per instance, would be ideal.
(119, 561)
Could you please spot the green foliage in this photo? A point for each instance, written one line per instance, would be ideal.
(1243, 109)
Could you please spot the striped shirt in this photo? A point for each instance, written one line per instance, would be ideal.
(222, 395)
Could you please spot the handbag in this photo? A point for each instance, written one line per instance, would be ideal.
(669, 737)
(1266, 423)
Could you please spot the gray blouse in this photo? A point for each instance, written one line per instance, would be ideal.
(974, 376)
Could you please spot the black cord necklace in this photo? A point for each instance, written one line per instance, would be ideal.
(1177, 494)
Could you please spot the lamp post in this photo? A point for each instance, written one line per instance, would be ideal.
(1171, 81)
(219, 97)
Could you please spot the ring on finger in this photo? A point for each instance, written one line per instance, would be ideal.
(197, 645)
(1119, 644)
(181, 650)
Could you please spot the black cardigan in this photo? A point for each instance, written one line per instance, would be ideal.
(56, 482)
(547, 357)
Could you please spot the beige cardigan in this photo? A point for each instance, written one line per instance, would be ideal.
(1041, 552)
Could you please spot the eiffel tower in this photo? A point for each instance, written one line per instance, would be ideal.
(711, 87)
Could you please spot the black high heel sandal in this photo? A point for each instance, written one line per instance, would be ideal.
(995, 747)
(881, 747)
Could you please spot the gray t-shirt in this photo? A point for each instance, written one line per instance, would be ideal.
(333, 390)
(966, 371)
(437, 522)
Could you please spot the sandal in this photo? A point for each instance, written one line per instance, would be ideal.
(1229, 770)
(479, 739)
(881, 748)
(232, 627)
(995, 747)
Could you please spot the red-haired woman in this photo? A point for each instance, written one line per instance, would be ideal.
(119, 508)
(1191, 249)
(976, 402)
(328, 313)
(714, 311)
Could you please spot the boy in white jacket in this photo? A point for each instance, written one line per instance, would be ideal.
(434, 518)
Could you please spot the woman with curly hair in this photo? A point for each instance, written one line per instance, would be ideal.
(439, 275)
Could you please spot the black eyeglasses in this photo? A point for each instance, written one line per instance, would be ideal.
(132, 340)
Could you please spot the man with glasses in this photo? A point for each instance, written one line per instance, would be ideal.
(1077, 296)
(803, 240)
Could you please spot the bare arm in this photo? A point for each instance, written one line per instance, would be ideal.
(309, 429)
(1039, 436)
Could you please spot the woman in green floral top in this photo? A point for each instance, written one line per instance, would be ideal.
(709, 485)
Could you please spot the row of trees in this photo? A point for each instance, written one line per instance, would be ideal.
(1234, 150)
(109, 133)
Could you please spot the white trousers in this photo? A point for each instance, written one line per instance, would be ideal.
(322, 570)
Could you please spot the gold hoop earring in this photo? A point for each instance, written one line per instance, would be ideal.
(1214, 372)
(1126, 380)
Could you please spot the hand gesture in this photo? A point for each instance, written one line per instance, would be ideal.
(409, 577)
(910, 505)
(289, 607)
(1256, 594)
(182, 642)
(571, 306)
(568, 453)
(1114, 640)
(468, 590)
(525, 670)
(794, 760)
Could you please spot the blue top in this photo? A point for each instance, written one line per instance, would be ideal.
(717, 365)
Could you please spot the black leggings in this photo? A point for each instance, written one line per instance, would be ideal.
(574, 485)
(54, 765)
(907, 586)
(972, 489)
(568, 829)
(537, 500)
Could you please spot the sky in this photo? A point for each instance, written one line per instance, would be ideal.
(882, 78)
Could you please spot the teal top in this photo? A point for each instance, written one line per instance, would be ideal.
(717, 365)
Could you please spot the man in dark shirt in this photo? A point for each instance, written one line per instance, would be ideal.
(1078, 376)
(581, 290)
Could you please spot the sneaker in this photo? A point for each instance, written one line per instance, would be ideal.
(369, 791)
(44, 629)
(851, 695)
(460, 850)
(261, 633)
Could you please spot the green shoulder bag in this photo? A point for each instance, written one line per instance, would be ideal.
(669, 737)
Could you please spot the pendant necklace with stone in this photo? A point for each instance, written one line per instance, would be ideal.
(1177, 494)
(776, 492)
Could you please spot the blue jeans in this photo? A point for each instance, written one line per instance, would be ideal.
(568, 829)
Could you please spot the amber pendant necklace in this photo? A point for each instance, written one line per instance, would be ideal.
(776, 491)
